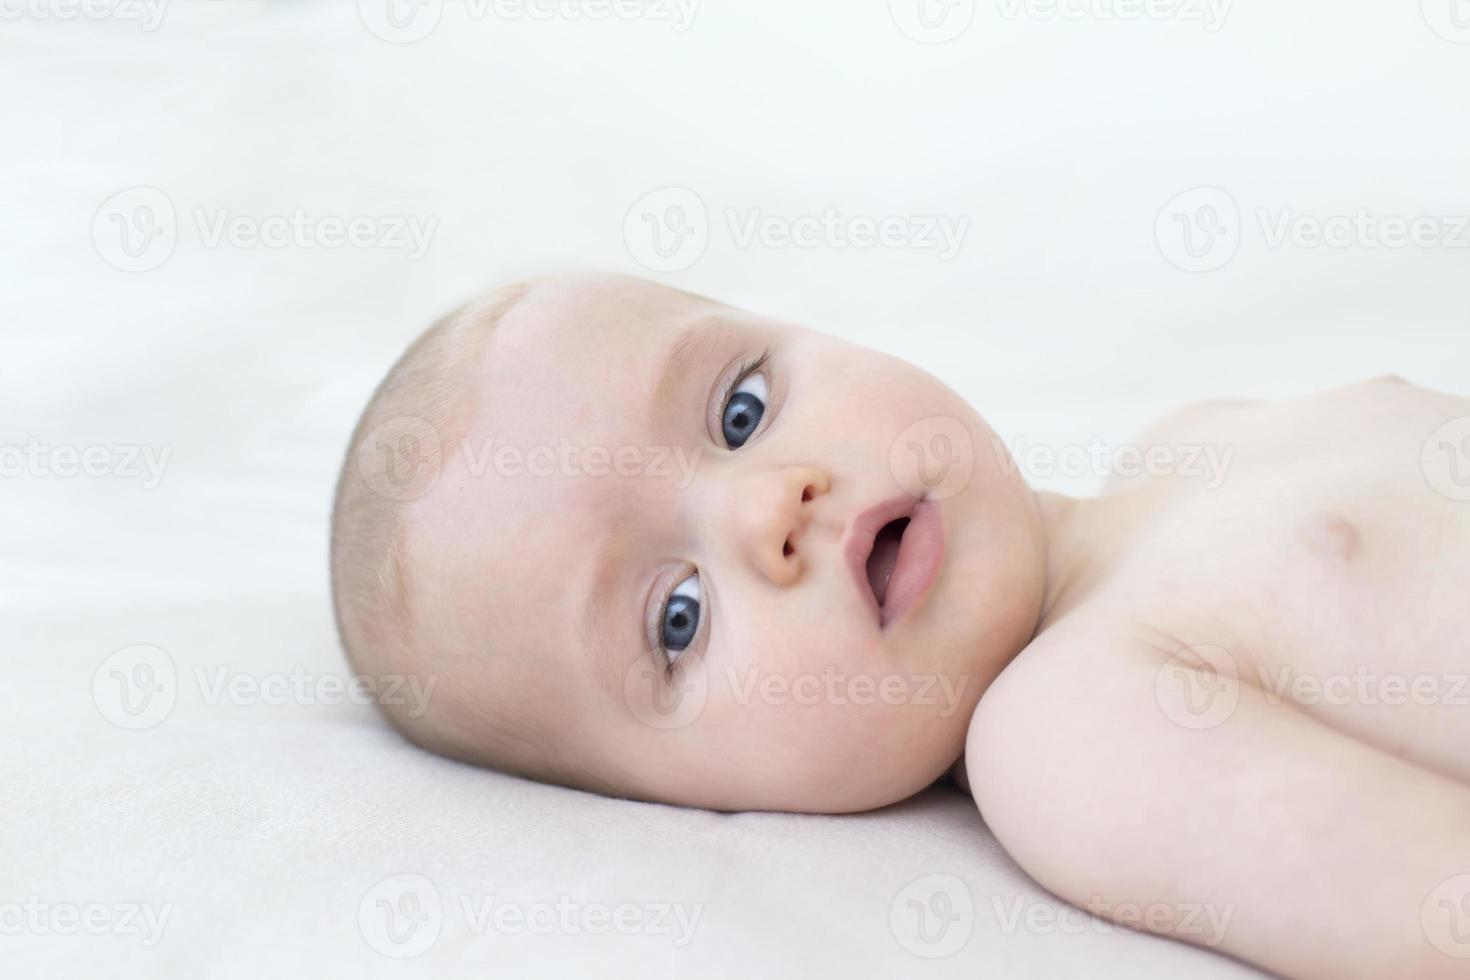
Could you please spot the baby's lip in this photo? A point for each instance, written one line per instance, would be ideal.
(860, 537)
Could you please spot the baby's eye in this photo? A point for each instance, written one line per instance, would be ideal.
(743, 410)
(680, 620)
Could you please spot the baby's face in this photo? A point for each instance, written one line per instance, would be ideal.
(650, 557)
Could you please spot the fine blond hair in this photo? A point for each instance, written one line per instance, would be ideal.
(424, 397)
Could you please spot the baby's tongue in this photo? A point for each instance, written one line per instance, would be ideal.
(883, 558)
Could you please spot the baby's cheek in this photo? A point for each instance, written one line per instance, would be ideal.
(815, 666)
(817, 719)
(829, 746)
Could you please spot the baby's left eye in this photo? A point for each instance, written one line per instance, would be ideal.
(743, 410)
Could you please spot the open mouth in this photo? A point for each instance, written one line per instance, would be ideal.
(894, 551)
(884, 557)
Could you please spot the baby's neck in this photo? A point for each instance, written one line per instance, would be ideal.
(1084, 536)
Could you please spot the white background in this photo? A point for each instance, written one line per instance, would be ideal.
(526, 142)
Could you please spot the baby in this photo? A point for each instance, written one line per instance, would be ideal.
(649, 545)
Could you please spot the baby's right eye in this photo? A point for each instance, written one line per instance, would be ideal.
(680, 619)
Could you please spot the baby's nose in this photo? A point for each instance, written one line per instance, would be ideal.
(771, 510)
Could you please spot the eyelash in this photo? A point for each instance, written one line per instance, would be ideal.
(671, 667)
(746, 370)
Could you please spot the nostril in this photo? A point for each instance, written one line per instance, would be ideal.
(786, 548)
(806, 494)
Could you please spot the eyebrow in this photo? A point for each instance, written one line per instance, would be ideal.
(695, 343)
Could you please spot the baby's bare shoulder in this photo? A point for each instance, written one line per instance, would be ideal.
(1203, 419)
(1125, 777)
(1082, 682)
(1190, 420)
(1196, 424)
(1381, 407)
(1048, 695)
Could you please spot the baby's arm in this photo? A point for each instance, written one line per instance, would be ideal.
(1316, 852)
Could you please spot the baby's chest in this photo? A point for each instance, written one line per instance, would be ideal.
(1341, 589)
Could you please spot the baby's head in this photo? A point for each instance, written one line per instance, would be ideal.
(626, 533)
